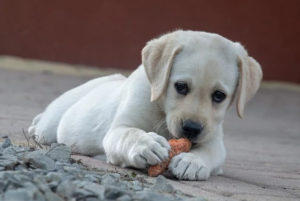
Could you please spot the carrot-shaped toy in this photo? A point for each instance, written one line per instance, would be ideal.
(177, 146)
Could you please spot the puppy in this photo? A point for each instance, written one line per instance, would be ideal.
(183, 88)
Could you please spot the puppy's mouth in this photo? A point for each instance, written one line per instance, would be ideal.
(194, 140)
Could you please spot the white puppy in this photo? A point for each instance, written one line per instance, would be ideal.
(183, 88)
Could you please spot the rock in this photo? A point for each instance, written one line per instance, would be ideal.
(50, 196)
(19, 194)
(136, 186)
(162, 185)
(39, 160)
(197, 199)
(111, 179)
(80, 189)
(6, 143)
(9, 151)
(41, 183)
(125, 198)
(89, 189)
(11, 180)
(65, 189)
(8, 162)
(113, 193)
(91, 199)
(49, 175)
(151, 196)
(23, 194)
(59, 152)
(93, 178)
(21, 166)
(54, 176)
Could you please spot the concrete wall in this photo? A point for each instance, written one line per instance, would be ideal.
(111, 33)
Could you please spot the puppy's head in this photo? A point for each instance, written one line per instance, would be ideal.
(195, 76)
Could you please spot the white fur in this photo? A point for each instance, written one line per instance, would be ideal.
(115, 115)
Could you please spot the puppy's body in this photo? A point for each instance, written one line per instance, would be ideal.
(130, 119)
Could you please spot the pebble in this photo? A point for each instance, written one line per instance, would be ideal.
(50, 175)
(152, 196)
(40, 160)
(113, 193)
(8, 162)
(162, 185)
(59, 152)
(6, 143)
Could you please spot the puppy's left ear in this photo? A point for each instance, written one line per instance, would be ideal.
(250, 76)
(158, 57)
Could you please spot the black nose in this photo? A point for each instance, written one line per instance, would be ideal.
(191, 129)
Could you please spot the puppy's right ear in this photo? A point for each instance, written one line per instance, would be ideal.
(158, 57)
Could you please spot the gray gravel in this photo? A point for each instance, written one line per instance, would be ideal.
(50, 175)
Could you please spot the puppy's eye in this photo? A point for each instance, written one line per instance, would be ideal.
(218, 96)
(181, 88)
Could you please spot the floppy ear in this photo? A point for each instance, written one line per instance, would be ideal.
(158, 57)
(250, 76)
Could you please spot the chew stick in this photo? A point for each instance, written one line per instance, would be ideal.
(177, 146)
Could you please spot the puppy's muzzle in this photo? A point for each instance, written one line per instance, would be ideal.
(191, 129)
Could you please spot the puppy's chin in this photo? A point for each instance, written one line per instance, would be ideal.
(206, 135)
(201, 138)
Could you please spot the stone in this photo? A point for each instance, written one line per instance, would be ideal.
(11, 180)
(8, 162)
(125, 198)
(23, 194)
(113, 192)
(91, 199)
(162, 185)
(6, 143)
(50, 196)
(80, 189)
(54, 176)
(19, 194)
(59, 152)
(21, 166)
(39, 160)
(151, 196)
(93, 178)
(92, 188)
(9, 151)
(41, 183)
(49, 175)
(65, 189)
(110, 179)
(136, 186)
(197, 199)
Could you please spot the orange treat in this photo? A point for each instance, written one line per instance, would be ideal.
(177, 146)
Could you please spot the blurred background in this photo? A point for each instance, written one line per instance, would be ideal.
(111, 33)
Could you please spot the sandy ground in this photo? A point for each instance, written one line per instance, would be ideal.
(263, 160)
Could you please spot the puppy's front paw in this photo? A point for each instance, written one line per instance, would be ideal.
(149, 149)
(189, 167)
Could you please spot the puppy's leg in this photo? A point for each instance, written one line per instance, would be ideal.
(134, 147)
(44, 126)
(201, 162)
(129, 141)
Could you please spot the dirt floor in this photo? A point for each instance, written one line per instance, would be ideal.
(263, 161)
